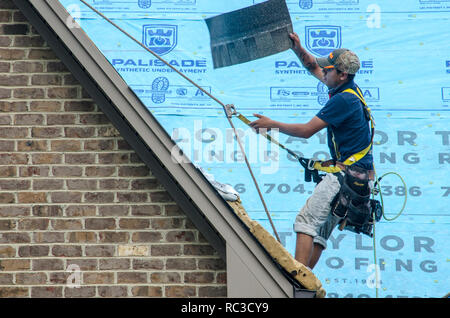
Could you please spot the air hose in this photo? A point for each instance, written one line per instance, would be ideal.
(377, 190)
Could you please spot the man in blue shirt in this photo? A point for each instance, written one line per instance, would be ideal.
(348, 133)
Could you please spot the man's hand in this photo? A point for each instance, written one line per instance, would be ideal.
(262, 122)
(296, 39)
(308, 61)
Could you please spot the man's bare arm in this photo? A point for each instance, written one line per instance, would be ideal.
(308, 61)
(297, 130)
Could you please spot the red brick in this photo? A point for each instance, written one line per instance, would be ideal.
(27, 67)
(32, 197)
(47, 210)
(11, 54)
(100, 224)
(28, 41)
(29, 93)
(139, 171)
(62, 92)
(146, 291)
(81, 210)
(80, 158)
(81, 292)
(7, 225)
(100, 171)
(112, 291)
(9, 292)
(211, 264)
(79, 106)
(132, 197)
(46, 292)
(7, 251)
(67, 171)
(165, 250)
(13, 80)
(66, 250)
(61, 119)
(199, 278)
(33, 171)
(94, 119)
(147, 237)
(131, 278)
(45, 106)
(32, 145)
(41, 54)
(46, 132)
(14, 184)
(98, 278)
(99, 145)
(47, 264)
(46, 158)
(79, 132)
(8, 171)
(114, 237)
(33, 224)
(13, 158)
(146, 210)
(14, 211)
(13, 106)
(31, 278)
(48, 237)
(12, 265)
(180, 236)
(180, 291)
(82, 237)
(134, 223)
(99, 197)
(13, 132)
(33, 251)
(100, 250)
(65, 197)
(113, 210)
(67, 224)
(65, 145)
(113, 158)
(46, 79)
(181, 263)
(212, 291)
(81, 184)
(148, 264)
(48, 184)
(114, 263)
(165, 278)
(6, 279)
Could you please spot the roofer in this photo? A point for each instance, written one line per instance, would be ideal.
(345, 116)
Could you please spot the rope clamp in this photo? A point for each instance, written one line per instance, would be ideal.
(311, 164)
(230, 110)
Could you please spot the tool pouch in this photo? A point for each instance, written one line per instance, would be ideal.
(352, 201)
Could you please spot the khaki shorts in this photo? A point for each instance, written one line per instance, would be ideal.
(315, 218)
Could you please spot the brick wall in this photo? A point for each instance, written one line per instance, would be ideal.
(73, 192)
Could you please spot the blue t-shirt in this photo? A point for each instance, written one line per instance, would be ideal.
(344, 115)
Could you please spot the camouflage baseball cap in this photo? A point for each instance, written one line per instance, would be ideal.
(342, 59)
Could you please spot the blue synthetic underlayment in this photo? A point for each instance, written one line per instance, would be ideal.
(405, 77)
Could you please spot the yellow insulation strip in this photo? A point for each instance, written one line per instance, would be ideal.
(298, 271)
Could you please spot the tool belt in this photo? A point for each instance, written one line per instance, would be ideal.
(353, 204)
